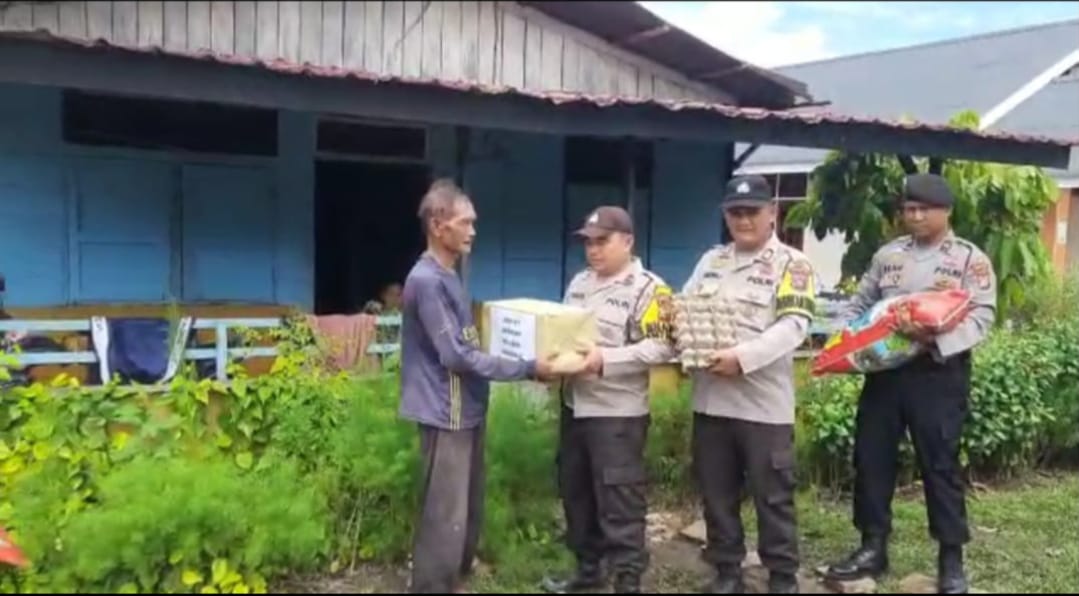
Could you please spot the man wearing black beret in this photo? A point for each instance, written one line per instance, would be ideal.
(927, 396)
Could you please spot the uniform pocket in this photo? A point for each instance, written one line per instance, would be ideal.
(624, 475)
(754, 311)
(783, 473)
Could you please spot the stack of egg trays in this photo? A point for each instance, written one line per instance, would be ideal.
(702, 326)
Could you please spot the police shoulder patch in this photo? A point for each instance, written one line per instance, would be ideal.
(796, 293)
(981, 272)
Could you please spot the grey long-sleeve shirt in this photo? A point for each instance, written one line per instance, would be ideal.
(444, 373)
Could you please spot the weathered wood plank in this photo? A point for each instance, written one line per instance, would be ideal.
(586, 69)
(571, 65)
(431, 66)
(267, 43)
(46, 15)
(333, 31)
(550, 60)
(175, 25)
(644, 84)
(489, 46)
(353, 35)
(73, 19)
(393, 30)
(451, 41)
(310, 32)
(513, 50)
(223, 27)
(198, 25)
(20, 17)
(533, 56)
(627, 79)
(246, 25)
(288, 30)
(98, 20)
(125, 22)
(412, 40)
(372, 37)
(470, 41)
(658, 89)
(151, 23)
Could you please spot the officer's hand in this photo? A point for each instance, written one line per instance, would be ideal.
(916, 332)
(725, 364)
(545, 369)
(593, 362)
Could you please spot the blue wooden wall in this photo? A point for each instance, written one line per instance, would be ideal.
(688, 180)
(85, 224)
(82, 224)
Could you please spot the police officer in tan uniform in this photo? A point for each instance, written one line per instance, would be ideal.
(605, 415)
(743, 429)
(929, 396)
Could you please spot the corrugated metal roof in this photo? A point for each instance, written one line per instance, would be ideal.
(555, 97)
(636, 29)
(932, 82)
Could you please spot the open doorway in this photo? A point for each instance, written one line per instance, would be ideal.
(366, 231)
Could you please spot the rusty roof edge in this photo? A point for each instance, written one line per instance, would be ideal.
(795, 88)
(556, 97)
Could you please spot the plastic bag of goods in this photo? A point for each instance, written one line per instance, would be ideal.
(9, 553)
(873, 343)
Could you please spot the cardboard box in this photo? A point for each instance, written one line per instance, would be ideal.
(534, 329)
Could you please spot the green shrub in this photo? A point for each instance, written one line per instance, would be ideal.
(521, 505)
(178, 525)
(824, 429)
(668, 452)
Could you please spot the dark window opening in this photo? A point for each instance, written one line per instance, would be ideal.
(773, 181)
(793, 237)
(167, 125)
(591, 160)
(366, 231)
(793, 186)
(372, 140)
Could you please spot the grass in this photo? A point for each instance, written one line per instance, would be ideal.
(1025, 540)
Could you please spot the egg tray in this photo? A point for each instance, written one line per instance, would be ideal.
(703, 325)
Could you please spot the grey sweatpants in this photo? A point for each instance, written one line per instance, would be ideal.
(451, 508)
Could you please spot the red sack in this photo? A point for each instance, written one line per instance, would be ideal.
(9, 553)
(872, 342)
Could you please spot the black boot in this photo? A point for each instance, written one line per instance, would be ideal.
(782, 583)
(950, 576)
(589, 576)
(728, 580)
(627, 584)
(871, 560)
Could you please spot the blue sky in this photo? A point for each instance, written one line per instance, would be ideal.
(779, 33)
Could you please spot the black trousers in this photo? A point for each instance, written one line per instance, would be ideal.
(727, 453)
(929, 399)
(451, 515)
(602, 482)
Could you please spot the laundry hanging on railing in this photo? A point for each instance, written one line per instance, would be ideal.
(344, 340)
(139, 349)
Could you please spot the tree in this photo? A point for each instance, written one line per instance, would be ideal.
(998, 207)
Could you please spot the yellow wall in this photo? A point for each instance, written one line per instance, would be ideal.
(1055, 233)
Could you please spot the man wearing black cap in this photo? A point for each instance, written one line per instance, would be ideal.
(605, 415)
(743, 427)
(928, 396)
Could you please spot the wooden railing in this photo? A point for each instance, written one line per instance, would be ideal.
(221, 353)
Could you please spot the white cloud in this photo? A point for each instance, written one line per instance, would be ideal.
(750, 31)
